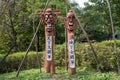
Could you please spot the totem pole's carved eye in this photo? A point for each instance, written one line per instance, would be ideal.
(69, 17)
(46, 16)
(51, 16)
(73, 17)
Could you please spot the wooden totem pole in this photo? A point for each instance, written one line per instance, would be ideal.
(49, 19)
(71, 24)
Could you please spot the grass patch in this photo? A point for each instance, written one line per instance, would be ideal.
(32, 74)
(61, 74)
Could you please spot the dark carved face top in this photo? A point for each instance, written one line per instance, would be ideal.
(49, 18)
(71, 21)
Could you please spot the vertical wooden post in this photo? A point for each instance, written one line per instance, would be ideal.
(70, 24)
(49, 20)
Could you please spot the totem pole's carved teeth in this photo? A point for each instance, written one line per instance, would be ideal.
(49, 25)
(49, 31)
(71, 30)
(70, 24)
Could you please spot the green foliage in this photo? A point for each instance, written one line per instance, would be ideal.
(13, 60)
(60, 54)
(96, 20)
(111, 43)
(105, 52)
(84, 57)
(1, 55)
(22, 16)
(34, 74)
(4, 42)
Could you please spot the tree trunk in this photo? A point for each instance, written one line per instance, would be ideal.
(12, 28)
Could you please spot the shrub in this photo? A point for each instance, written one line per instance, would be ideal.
(1, 55)
(84, 57)
(105, 52)
(60, 55)
(111, 43)
(13, 61)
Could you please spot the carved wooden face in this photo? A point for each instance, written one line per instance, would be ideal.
(49, 18)
(71, 20)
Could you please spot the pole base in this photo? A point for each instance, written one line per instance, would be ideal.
(50, 67)
(72, 71)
